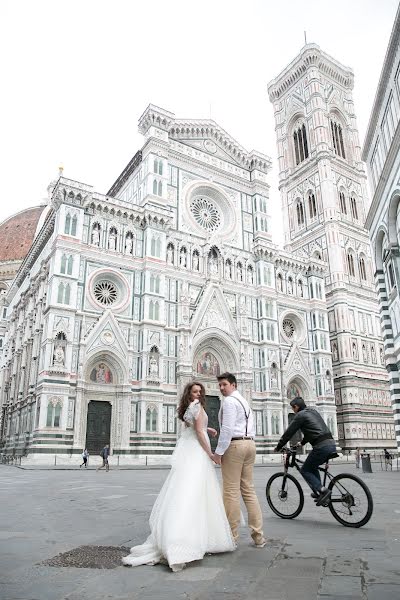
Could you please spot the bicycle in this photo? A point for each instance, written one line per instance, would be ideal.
(350, 503)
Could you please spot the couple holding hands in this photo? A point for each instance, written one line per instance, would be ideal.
(190, 517)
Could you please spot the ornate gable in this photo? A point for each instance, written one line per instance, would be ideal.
(106, 335)
(295, 364)
(213, 313)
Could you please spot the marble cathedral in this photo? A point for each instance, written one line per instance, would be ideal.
(172, 275)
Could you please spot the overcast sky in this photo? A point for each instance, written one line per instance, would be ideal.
(77, 75)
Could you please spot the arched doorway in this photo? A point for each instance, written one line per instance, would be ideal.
(211, 358)
(293, 390)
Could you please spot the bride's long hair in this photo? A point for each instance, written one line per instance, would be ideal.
(186, 398)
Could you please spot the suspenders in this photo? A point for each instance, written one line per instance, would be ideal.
(245, 414)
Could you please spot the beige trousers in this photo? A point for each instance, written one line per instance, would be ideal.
(237, 476)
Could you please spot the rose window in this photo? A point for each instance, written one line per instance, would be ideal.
(205, 213)
(288, 327)
(105, 292)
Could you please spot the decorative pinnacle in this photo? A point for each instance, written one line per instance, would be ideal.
(60, 171)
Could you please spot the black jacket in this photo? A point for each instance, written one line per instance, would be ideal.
(312, 426)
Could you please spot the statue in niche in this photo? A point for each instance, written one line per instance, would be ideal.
(182, 258)
(335, 352)
(195, 262)
(364, 353)
(381, 355)
(250, 275)
(240, 272)
(328, 385)
(153, 367)
(301, 291)
(112, 240)
(229, 270)
(129, 244)
(274, 378)
(354, 348)
(59, 356)
(96, 236)
(170, 255)
(373, 355)
(290, 286)
(213, 266)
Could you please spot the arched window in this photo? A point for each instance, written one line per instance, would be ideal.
(300, 144)
(350, 264)
(363, 272)
(239, 271)
(312, 206)
(343, 207)
(60, 296)
(160, 188)
(53, 414)
(160, 167)
(337, 138)
(155, 284)
(151, 419)
(67, 293)
(67, 226)
(155, 169)
(300, 213)
(73, 225)
(63, 263)
(154, 187)
(70, 264)
(301, 289)
(353, 208)
(279, 280)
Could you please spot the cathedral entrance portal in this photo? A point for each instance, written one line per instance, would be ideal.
(212, 410)
(98, 426)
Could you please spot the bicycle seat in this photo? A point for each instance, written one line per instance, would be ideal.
(333, 455)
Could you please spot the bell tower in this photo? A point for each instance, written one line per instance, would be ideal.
(324, 203)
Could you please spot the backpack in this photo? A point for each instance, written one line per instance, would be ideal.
(102, 454)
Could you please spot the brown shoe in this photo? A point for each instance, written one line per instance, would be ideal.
(261, 544)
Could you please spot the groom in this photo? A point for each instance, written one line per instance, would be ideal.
(236, 453)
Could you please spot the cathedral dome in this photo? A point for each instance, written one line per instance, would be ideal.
(17, 233)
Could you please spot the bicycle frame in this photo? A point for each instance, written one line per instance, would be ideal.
(291, 461)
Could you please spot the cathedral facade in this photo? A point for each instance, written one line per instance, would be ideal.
(325, 202)
(171, 276)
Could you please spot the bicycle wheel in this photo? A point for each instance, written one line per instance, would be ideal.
(284, 495)
(351, 501)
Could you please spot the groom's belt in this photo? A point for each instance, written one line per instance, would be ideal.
(242, 437)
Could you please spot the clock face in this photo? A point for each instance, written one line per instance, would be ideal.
(210, 146)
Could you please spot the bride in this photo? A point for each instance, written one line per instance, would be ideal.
(188, 517)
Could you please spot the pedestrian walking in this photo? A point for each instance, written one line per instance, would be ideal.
(358, 455)
(85, 456)
(388, 458)
(105, 453)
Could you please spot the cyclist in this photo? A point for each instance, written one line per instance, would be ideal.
(316, 433)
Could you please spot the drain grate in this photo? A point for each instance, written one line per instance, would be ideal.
(89, 557)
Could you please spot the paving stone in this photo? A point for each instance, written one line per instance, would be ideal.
(383, 591)
(342, 566)
(341, 585)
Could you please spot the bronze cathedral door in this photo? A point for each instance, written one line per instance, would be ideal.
(98, 426)
(212, 410)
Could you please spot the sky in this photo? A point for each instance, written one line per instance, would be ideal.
(77, 74)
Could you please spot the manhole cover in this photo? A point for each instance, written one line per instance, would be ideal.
(89, 557)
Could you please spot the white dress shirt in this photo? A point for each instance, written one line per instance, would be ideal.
(233, 421)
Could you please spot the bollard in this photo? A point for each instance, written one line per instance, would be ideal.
(55, 459)
(366, 463)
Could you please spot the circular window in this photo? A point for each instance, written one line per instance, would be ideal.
(105, 292)
(288, 327)
(209, 210)
(205, 213)
(293, 327)
(108, 289)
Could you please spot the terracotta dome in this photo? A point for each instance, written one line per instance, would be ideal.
(17, 233)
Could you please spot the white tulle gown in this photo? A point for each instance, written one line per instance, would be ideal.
(188, 517)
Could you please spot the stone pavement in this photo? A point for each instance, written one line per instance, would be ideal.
(45, 513)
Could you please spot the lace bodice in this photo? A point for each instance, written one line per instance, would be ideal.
(194, 412)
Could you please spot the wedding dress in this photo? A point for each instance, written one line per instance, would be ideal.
(188, 517)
